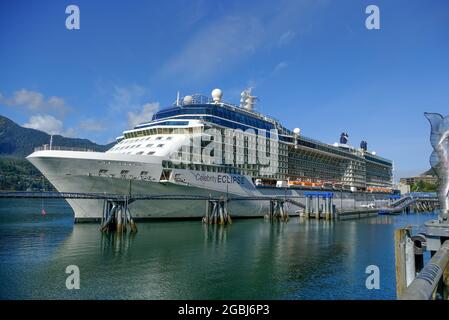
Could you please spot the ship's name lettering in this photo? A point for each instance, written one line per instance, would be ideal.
(219, 179)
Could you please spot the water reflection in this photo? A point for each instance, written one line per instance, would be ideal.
(250, 259)
(116, 243)
(215, 235)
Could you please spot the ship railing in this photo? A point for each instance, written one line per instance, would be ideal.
(61, 148)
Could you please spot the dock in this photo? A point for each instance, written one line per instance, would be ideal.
(357, 213)
(416, 280)
(116, 214)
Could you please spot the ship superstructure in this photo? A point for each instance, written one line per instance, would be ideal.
(202, 145)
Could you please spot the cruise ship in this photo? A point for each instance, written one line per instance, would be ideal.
(204, 146)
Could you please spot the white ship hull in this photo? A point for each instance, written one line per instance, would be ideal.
(78, 172)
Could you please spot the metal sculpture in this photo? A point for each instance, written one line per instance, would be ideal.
(439, 160)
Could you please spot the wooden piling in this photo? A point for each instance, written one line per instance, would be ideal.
(217, 212)
(307, 209)
(118, 222)
(399, 250)
(132, 224)
(316, 208)
(117, 217)
(327, 209)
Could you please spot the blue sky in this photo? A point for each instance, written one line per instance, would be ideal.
(313, 65)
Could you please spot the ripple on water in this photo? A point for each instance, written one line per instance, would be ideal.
(251, 259)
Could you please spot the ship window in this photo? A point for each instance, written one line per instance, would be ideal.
(149, 145)
(138, 145)
(140, 152)
(160, 145)
(158, 138)
(169, 138)
(150, 153)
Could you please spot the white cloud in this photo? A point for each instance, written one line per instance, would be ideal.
(30, 99)
(56, 102)
(229, 40)
(280, 65)
(145, 114)
(216, 47)
(286, 38)
(127, 97)
(48, 124)
(92, 125)
(35, 101)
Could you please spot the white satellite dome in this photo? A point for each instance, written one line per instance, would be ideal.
(216, 95)
(187, 100)
(373, 153)
(296, 131)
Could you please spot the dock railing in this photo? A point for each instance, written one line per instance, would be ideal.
(414, 280)
(432, 277)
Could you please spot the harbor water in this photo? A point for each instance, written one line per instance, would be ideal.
(250, 259)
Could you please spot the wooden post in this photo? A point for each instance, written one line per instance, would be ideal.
(331, 204)
(327, 208)
(316, 208)
(119, 218)
(217, 212)
(228, 216)
(284, 213)
(131, 222)
(399, 250)
(307, 210)
(405, 260)
(103, 217)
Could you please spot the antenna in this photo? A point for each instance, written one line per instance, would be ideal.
(247, 101)
(51, 141)
(177, 99)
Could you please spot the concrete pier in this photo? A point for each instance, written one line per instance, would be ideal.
(319, 204)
